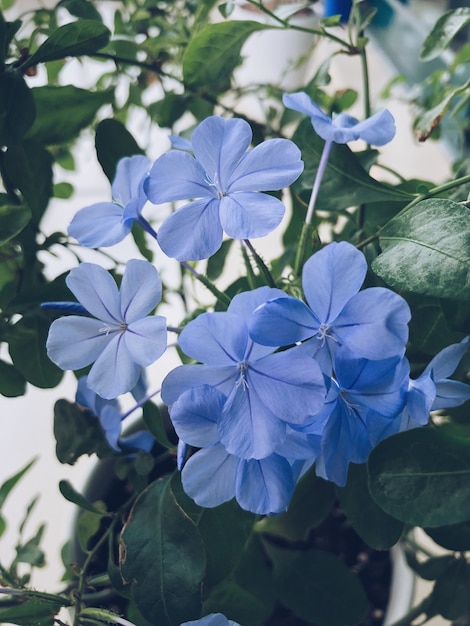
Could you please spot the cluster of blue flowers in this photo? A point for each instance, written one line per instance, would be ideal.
(278, 383)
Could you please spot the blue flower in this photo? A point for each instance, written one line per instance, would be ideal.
(363, 406)
(433, 390)
(371, 323)
(263, 391)
(120, 339)
(214, 619)
(225, 179)
(107, 223)
(376, 130)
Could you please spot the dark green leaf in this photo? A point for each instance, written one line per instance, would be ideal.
(81, 8)
(450, 593)
(158, 424)
(427, 250)
(455, 537)
(345, 182)
(28, 352)
(16, 108)
(72, 495)
(113, 142)
(214, 52)
(215, 264)
(33, 611)
(29, 168)
(422, 477)
(430, 569)
(63, 190)
(167, 111)
(89, 523)
(77, 432)
(71, 40)
(445, 29)
(318, 587)
(12, 221)
(30, 552)
(379, 530)
(159, 532)
(296, 523)
(240, 604)
(9, 484)
(432, 117)
(140, 238)
(12, 383)
(62, 112)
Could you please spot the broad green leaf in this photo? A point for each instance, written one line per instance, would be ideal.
(32, 611)
(239, 603)
(62, 112)
(296, 523)
(9, 484)
(445, 29)
(158, 533)
(29, 168)
(430, 569)
(89, 523)
(72, 40)
(422, 477)
(12, 221)
(82, 9)
(379, 530)
(16, 107)
(113, 142)
(12, 383)
(72, 495)
(77, 432)
(28, 352)
(318, 587)
(345, 182)
(214, 52)
(427, 122)
(455, 537)
(450, 593)
(426, 250)
(215, 263)
(167, 111)
(30, 552)
(158, 423)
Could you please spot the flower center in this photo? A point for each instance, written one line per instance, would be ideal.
(214, 182)
(242, 368)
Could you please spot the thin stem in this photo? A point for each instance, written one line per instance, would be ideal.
(325, 155)
(147, 227)
(365, 81)
(140, 403)
(222, 297)
(260, 263)
(250, 275)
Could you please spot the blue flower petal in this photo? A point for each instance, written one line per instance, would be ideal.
(195, 413)
(175, 176)
(264, 486)
(128, 180)
(378, 129)
(100, 224)
(445, 362)
(283, 321)
(186, 377)
(96, 290)
(247, 215)
(141, 290)
(146, 339)
(209, 476)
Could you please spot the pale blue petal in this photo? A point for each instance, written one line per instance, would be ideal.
(146, 339)
(180, 143)
(331, 277)
(141, 290)
(283, 321)
(75, 342)
(302, 103)
(247, 215)
(215, 339)
(218, 145)
(214, 619)
(141, 440)
(186, 377)
(129, 177)
(421, 395)
(209, 476)
(378, 129)
(175, 176)
(445, 362)
(273, 164)
(300, 446)
(450, 393)
(96, 290)
(114, 371)
(247, 428)
(264, 486)
(290, 384)
(99, 225)
(110, 421)
(374, 324)
(195, 414)
(192, 232)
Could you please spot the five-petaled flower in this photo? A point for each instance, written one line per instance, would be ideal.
(120, 339)
(225, 179)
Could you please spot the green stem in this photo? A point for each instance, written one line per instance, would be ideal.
(308, 231)
(250, 275)
(222, 297)
(261, 264)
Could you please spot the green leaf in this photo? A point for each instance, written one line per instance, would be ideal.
(426, 250)
(71, 40)
(158, 423)
(215, 263)
(214, 52)
(33, 611)
(16, 107)
(12, 383)
(318, 587)
(81, 8)
(9, 484)
(159, 532)
(445, 29)
(372, 524)
(296, 523)
(345, 182)
(455, 537)
(240, 604)
(62, 112)
(430, 569)
(167, 111)
(422, 477)
(72, 495)
(77, 432)
(89, 523)
(13, 219)
(113, 142)
(29, 168)
(427, 122)
(30, 552)
(28, 352)
(450, 593)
